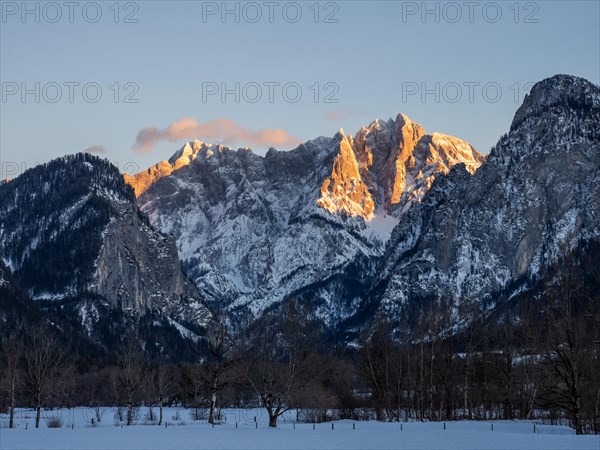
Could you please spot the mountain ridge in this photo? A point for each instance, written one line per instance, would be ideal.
(254, 230)
(383, 222)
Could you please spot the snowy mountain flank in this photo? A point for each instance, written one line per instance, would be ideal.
(382, 222)
(73, 235)
(314, 223)
(254, 231)
(477, 238)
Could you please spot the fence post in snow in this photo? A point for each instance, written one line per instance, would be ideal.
(353, 426)
(534, 428)
(444, 425)
(332, 425)
(492, 427)
(401, 427)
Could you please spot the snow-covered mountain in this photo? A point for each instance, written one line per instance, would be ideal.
(72, 235)
(253, 231)
(381, 222)
(535, 199)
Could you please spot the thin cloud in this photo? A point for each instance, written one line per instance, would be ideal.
(95, 149)
(343, 114)
(225, 131)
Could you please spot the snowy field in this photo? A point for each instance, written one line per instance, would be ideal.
(239, 431)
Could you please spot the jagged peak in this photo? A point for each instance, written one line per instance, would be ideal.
(340, 135)
(390, 165)
(191, 149)
(375, 125)
(184, 152)
(402, 118)
(379, 125)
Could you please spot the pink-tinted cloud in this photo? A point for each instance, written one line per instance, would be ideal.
(344, 114)
(224, 131)
(95, 149)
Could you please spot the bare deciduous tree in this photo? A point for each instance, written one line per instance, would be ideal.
(45, 357)
(377, 362)
(133, 368)
(12, 352)
(160, 384)
(165, 387)
(280, 363)
(216, 369)
(565, 341)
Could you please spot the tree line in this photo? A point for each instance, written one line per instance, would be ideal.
(536, 360)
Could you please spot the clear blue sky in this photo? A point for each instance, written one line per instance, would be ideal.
(377, 54)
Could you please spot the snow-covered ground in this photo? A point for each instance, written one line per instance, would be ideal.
(239, 431)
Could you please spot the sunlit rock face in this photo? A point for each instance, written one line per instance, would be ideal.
(390, 165)
(253, 231)
(345, 192)
(141, 181)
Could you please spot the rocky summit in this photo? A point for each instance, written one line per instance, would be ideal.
(254, 231)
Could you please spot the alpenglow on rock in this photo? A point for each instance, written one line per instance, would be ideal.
(390, 165)
(253, 231)
(476, 238)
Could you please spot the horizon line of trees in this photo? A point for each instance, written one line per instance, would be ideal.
(540, 360)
